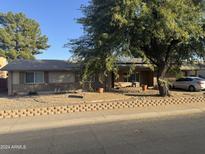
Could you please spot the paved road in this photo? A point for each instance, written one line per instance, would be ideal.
(182, 135)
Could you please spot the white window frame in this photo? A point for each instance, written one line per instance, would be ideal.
(34, 82)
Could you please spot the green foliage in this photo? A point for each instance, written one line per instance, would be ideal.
(176, 72)
(20, 37)
(179, 75)
(164, 31)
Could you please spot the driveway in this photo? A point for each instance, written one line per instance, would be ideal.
(174, 135)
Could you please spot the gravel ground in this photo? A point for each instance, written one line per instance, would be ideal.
(7, 103)
(137, 92)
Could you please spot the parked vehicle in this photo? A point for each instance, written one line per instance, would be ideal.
(190, 83)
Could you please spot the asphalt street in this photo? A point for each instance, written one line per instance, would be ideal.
(180, 135)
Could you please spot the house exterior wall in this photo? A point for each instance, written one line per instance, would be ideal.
(53, 82)
(190, 72)
(46, 87)
(3, 62)
(59, 81)
(201, 72)
(10, 83)
(145, 77)
(61, 77)
(120, 79)
(16, 78)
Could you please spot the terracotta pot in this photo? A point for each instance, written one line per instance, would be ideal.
(144, 87)
(100, 90)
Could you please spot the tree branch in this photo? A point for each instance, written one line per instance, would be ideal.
(172, 44)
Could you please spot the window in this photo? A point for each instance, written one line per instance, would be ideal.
(199, 79)
(188, 79)
(134, 78)
(34, 77)
(125, 77)
(63, 77)
(181, 79)
(131, 78)
(39, 77)
(29, 77)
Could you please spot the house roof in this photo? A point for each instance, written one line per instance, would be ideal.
(40, 65)
(187, 67)
(128, 60)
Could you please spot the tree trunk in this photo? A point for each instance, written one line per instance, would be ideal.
(162, 85)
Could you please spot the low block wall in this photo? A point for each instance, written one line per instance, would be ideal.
(98, 107)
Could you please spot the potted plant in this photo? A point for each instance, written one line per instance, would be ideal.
(99, 87)
(144, 87)
(100, 90)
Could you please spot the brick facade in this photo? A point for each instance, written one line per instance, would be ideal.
(17, 85)
(47, 87)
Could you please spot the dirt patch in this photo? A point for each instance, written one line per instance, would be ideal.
(26, 102)
(137, 92)
(7, 103)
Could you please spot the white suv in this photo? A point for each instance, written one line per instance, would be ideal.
(190, 83)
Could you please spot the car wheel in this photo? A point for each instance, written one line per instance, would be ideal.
(192, 88)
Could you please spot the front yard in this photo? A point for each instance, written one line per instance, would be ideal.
(26, 102)
(38, 101)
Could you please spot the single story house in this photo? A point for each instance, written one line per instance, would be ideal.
(28, 76)
(196, 69)
(51, 76)
(141, 74)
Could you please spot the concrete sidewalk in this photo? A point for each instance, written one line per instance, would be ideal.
(74, 119)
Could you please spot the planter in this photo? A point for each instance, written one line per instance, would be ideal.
(100, 90)
(144, 87)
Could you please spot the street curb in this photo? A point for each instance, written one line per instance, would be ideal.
(92, 107)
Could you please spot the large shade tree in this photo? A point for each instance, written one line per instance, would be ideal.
(20, 37)
(165, 32)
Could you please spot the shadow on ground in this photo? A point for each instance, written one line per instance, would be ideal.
(169, 135)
